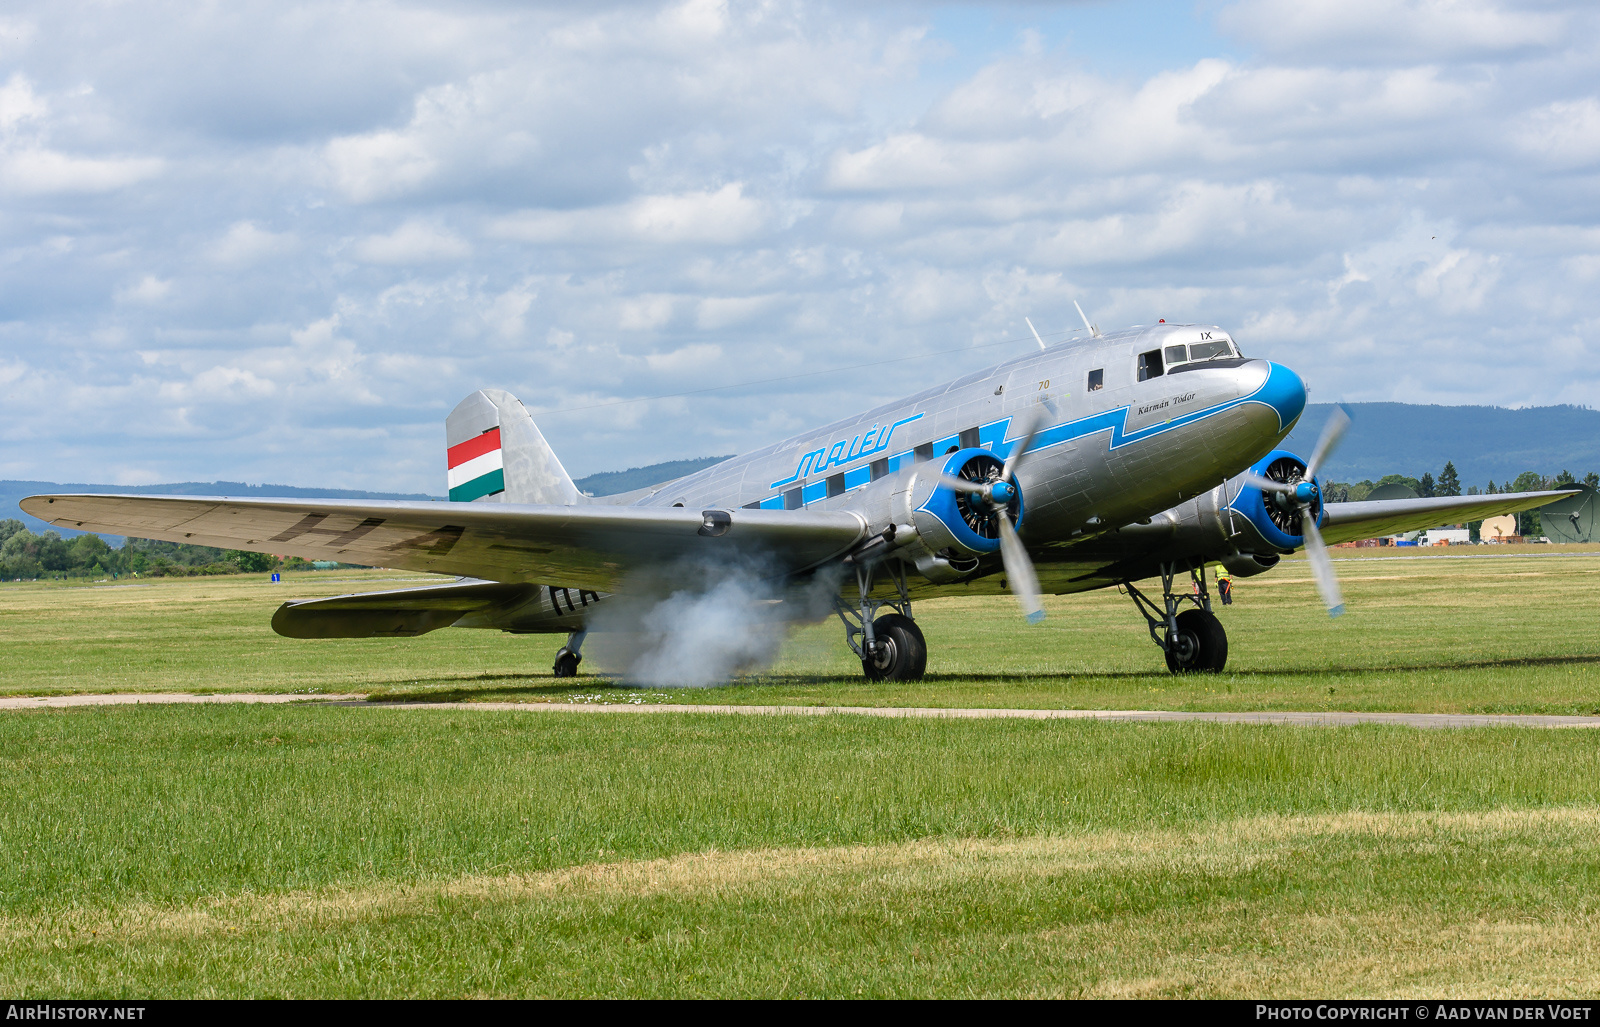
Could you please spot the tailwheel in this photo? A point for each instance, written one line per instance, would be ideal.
(900, 652)
(566, 663)
(1199, 646)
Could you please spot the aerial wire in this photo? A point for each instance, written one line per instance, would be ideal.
(795, 377)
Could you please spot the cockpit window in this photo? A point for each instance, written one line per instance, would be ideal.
(1175, 355)
(1150, 365)
(1210, 350)
(1097, 379)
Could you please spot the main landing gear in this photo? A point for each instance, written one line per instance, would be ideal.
(569, 656)
(891, 647)
(1193, 640)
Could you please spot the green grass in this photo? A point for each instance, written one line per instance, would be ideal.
(337, 851)
(1510, 634)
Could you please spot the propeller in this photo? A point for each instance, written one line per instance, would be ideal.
(1304, 495)
(998, 493)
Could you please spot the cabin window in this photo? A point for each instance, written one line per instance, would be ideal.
(880, 468)
(752, 506)
(1210, 350)
(1175, 355)
(1097, 379)
(924, 451)
(835, 485)
(1150, 365)
(969, 438)
(792, 500)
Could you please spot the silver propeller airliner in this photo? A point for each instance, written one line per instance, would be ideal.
(1142, 454)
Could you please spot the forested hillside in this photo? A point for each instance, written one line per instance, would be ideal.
(1484, 443)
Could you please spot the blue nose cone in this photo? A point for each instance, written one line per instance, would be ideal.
(1002, 492)
(1303, 491)
(1284, 392)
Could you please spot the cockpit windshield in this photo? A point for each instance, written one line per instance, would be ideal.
(1199, 351)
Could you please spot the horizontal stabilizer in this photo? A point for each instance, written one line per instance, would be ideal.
(1347, 522)
(396, 613)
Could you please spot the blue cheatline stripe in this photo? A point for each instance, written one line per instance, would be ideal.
(487, 485)
(1283, 392)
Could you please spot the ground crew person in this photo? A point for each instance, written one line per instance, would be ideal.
(1224, 585)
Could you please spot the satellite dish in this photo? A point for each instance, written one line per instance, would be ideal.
(1384, 493)
(1503, 526)
(1571, 519)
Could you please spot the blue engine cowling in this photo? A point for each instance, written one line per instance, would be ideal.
(947, 531)
(1276, 518)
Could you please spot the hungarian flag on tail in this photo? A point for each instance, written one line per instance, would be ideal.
(476, 468)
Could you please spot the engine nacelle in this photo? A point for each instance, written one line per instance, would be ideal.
(1274, 518)
(1236, 524)
(943, 532)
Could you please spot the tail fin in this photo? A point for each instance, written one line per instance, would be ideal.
(497, 455)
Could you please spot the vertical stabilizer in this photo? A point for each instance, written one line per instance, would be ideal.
(497, 455)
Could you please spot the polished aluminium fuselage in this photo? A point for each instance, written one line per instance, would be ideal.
(1100, 485)
(1106, 459)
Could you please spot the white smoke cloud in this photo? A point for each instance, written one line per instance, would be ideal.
(699, 624)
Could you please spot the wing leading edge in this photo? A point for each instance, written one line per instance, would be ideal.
(594, 547)
(1347, 522)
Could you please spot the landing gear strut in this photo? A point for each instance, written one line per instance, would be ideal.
(569, 656)
(1193, 640)
(892, 647)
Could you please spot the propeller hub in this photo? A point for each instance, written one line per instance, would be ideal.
(1305, 491)
(1002, 492)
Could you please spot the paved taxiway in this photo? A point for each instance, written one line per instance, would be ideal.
(45, 702)
(1328, 718)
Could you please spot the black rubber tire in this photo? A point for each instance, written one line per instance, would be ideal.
(904, 652)
(566, 664)
(1202, 647)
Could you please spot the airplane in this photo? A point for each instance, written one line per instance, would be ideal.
(1142, 454)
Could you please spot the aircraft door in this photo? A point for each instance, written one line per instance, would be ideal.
(1027, 387)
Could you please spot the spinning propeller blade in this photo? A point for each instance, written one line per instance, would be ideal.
(1035, 421)
(1019, 572)
(1332, 432)
(954, 484)
(1266, 484)
(1322, 568)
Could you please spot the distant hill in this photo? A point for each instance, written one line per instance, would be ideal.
(610, 483)
(1484, 442)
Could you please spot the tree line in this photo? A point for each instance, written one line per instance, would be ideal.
(27, 557)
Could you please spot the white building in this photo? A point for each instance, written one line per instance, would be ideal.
(1434, 536)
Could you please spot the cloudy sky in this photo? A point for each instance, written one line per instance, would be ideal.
(278, 242)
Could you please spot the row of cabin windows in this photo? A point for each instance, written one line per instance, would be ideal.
(1151, 365)
(793, 499)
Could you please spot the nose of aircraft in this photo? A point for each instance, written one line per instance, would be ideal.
(1275, 387)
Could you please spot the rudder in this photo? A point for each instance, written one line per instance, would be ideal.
(496, 454)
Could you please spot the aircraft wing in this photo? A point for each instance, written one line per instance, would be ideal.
(1347, 522)
(592, 547)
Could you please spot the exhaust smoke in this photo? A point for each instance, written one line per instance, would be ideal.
(698, 624)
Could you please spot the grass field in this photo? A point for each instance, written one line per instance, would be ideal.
(1485, 634)
(342, 852)
(349, 851)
